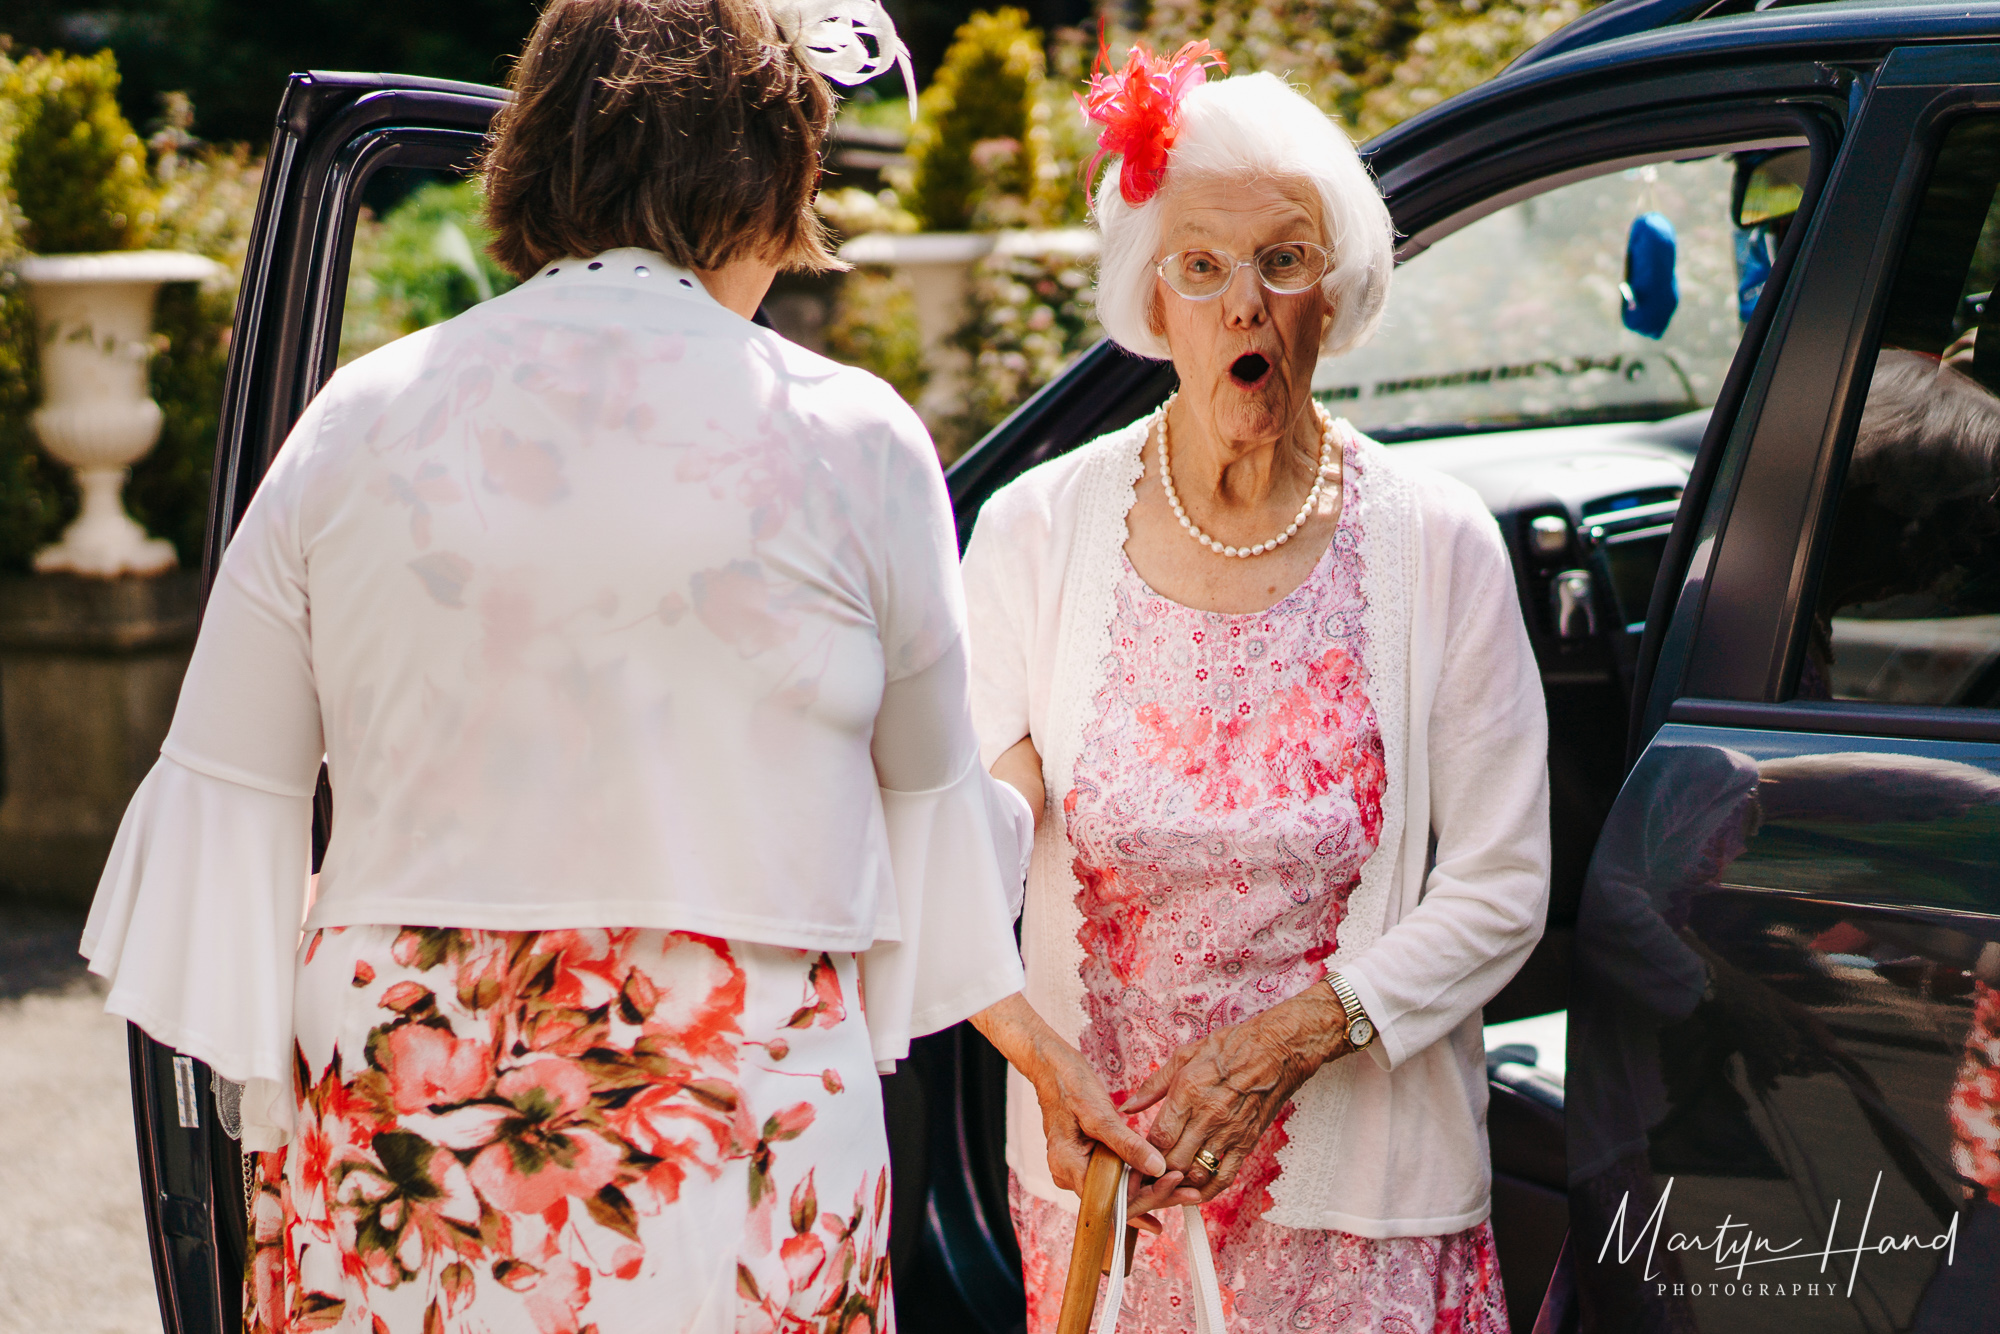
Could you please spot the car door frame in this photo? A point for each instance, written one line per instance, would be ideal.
(331, 127)
(1745, 632)
(1731, 613)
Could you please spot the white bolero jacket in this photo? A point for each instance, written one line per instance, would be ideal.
(1389, 1146)
(605, 608)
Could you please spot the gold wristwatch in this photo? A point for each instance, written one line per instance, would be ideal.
(1360, 1032)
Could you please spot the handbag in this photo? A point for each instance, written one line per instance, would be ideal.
(1100, 1222)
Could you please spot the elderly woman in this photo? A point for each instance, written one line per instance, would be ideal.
(632, 638)
(1269, 688)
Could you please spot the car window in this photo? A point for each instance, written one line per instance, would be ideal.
(1616, 298)
(419, 257)
(1907, 609)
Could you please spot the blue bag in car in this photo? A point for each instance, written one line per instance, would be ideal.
(1650, 291)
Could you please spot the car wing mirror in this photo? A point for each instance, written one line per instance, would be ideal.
(1651, 292)
(1769, 187)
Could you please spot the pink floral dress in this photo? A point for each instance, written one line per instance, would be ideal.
(1974, 1109)
(574, 1132)
(1228, 791)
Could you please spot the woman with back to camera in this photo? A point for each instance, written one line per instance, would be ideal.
(1269, 689)
(632, 638)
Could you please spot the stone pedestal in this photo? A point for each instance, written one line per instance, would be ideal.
(89, 672)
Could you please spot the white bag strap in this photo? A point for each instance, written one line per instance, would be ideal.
(1201, 1261)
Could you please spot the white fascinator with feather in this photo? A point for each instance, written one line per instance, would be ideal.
(848, 41)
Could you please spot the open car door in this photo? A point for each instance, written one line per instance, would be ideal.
(1785, 1030)
(343, 142)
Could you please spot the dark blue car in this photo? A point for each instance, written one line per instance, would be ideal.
(1697, 298)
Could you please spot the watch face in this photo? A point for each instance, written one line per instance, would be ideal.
(1361, 1032)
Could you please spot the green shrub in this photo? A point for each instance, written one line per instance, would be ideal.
(422, 263)
(1460, 47)
(981, 139)
(204, 201)
(169, 490)
(874, 326)
(1027, 316)
(78, 171)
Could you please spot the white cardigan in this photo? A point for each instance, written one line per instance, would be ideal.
(1393, 1146)
(606, 608)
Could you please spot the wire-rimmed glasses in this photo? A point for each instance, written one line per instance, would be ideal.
(1288, 267)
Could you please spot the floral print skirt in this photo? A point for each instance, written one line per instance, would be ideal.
(1278, 1278)
(574, 1132)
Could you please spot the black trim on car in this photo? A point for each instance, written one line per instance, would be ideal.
(1842, 717)
(296, 239)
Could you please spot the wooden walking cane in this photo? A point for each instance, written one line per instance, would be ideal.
(1090, 1256)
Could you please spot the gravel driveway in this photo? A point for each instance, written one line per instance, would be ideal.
(72, 1242)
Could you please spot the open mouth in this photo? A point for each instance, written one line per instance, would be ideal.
(1249, 368)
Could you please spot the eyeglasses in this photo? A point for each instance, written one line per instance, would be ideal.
(1284, 268)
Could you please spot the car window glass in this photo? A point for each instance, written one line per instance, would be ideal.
(1618, 298)
(419, 257)
(1908, 605)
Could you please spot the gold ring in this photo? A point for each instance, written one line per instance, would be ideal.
(1208, 1161)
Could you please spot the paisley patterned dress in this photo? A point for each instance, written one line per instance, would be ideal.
(1228, 791)
(574, 1132)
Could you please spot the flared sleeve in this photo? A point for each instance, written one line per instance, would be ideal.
(958, 839)
(196, 920)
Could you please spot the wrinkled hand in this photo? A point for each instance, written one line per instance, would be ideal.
(1222, 1092)
(1077, 1113)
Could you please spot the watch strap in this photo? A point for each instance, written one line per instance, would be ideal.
(1351, 1003)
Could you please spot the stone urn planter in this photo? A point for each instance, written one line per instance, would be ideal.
(95, 316)
(93, 647)
(939, 266)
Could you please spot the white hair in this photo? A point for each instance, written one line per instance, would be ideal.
(1253, 125)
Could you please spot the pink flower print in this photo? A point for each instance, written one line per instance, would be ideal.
(824, 1007)
(687, 1127)
(547, 1152)
(406, 996)
(430, 485)
(734, 602)
(702, 1019)
(557, 1296)
(444, 577)
(428, 1067)
(527, 470)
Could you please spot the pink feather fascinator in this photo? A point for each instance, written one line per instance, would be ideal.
(1140, 110)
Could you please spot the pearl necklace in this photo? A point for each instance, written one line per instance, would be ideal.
(1326, 482)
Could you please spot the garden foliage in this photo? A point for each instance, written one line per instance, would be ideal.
(421, 263)
(78, 171)
(980, 152)
(189, 197)
(875, 325)
(1026, 317)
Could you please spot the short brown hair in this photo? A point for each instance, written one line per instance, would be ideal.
(687, 127)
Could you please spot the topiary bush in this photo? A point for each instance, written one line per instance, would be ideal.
(78, 171)
(981, 142)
